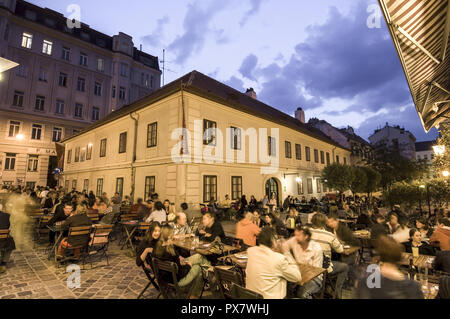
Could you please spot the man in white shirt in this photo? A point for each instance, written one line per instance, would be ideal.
(305, 251)
(269, 271)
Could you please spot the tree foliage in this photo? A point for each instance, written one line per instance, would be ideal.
(339, 177)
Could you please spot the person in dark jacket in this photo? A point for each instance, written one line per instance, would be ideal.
(212, 228)
(277, 225)
(378, 229)
(77, 219)
(148, 245)
(62, 212)
(7, 245)
(442, 261)
(416, 242)
(392, 283)
(51, 201)
(444, 288)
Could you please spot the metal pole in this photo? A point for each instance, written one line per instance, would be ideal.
(428, 199)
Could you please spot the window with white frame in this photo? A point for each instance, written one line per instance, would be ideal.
(98, 89)
(27, 40)
(40, 103)
(36, 132)
(122, 93)
(14, 128)
(99, 187)
(81, 84)
(18, 98)
(66, 53)
(33, 161)
(78, 110)
(100, 65)
(236, 136)
(10, 162)
(95, 113)
(42, 75)
(59, 107)
(83, 59)
(47, 47)
(62, 80)
(57, 134)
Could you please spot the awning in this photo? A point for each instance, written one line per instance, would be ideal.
(420, 31)
(5, 64)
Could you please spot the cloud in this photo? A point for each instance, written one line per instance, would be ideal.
(196, 28)
(254, 9)
(235, 83)
(248, 66)
(155, 38)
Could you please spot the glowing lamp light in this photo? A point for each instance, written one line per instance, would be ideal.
(298, 179)
(439, 150)
(446, 173)
(19, 137)
(422, 186)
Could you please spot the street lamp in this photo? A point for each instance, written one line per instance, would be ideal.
(19, 137)
(446, 174)
(439, 150)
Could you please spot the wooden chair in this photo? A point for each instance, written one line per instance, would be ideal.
(150, 273)
(141, 230)
(239, 292)
(128, 217)
(41, 229)
(125, 209)
(235, 242)
(225, 278)
(99, 243)
(94, 216)
(4, 234)
(83, 234)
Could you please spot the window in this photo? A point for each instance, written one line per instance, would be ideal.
(328, 159)
(81, 84)
(27, 40)
(10, 162)
(298, 152)
(209, 188)
(123, 142)
(83, 155)
(89, 152)
(319, 185)
(98, 89)
(83, 59)
(209, 132)
(40, 102)
(86, 185)
(59, 107)
(77, 154)
(66, 184)
(119, 186)
(99, 187)
(308, 154)
(22, 71)
(100, 65)
(123, 69)
(95, 113)
(18, 98)
(337, 159)
(57, 134)
(36, 132)
(236, 136)
(316, 156)
(345, 160)
(236, 187)
(47, 47)
(310, 185)
(113, 92)
(62, 81)
(66, 54)
(122, 93)
(152, 135)
(74, 184)
(42, 75)
(103, 147)
(14, 128)
(288, 148)
(33, 161)
(272, 146)
(69, 156)
(78, 110)
(149, 186)
(300, 190)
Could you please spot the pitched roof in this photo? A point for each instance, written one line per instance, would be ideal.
(425, 146)
(354, 137)
(204, 86)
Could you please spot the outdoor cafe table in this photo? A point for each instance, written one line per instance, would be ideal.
(362, 234)
(202, 248)
(308, 272)
(57, 228)
(130, 228)
(421, 262)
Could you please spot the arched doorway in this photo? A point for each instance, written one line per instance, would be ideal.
(272, 187)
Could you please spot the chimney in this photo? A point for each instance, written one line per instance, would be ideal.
(300, 115)
(250, 92)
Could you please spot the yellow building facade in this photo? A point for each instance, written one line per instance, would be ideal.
(140, 149)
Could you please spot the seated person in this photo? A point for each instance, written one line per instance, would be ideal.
(441, 236)
(378, 228)
(158, 215)
(148, 245)
(190, 270)
(247, 230)
(76, 219)
(423, 226)
(268, 270)
(212, 228)
(276, 224)
(62, 212)
(341, 230)
(145, 209)
(416, 241)
(6, 245)
(110, 215)
(51, 201)
(329, 243)
(364, 221)
(397, 228)
(305, 251)
(100, 205)
(442, 261)
(135, 207)
(257, 220)
(180, 227)
(293, 219)
(393, 284)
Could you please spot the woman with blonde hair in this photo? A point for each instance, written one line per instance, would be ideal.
(190, 270)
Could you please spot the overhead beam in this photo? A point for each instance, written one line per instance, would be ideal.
(446, 33)
(417, 44)
(440, 87)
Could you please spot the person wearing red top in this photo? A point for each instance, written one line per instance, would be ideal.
(441, 236)
(247, 230)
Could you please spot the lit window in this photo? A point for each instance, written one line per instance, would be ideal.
(27, 40)
(57, 134)
(36, 132)
(47, 47)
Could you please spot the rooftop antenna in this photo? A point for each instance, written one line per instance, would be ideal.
(164, 69)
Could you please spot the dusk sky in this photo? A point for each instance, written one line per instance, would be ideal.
(319, 55)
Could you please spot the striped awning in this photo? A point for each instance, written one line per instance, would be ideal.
(420, 31)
